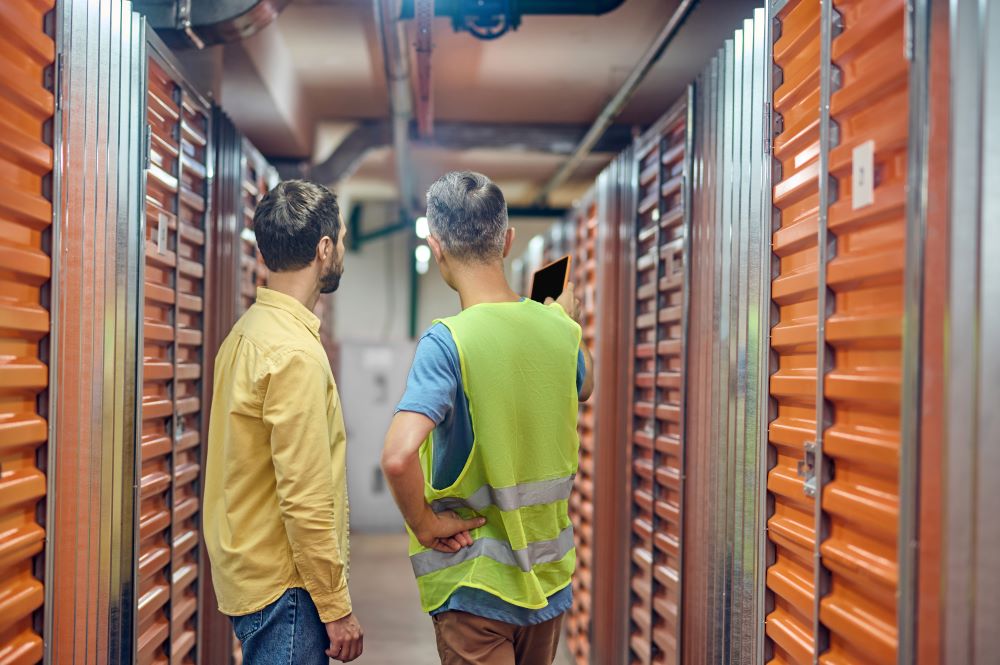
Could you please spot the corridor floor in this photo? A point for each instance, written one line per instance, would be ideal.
(385, 601)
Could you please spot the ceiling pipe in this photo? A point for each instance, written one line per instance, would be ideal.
(395, 56)
(619, 100)
(424, 47)
(194, 24)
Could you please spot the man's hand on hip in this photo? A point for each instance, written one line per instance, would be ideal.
(347, 640)
(445, 532)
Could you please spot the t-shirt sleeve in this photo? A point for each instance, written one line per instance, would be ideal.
(434, 376)
(581, 371)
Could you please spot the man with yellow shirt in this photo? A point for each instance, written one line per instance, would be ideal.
(276, 515)
(487, 428)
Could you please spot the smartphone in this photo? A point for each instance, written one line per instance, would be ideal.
(550, 281)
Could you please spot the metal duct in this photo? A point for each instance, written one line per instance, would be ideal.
(185, 23)
(524, 7)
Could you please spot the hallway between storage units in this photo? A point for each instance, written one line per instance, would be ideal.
(386, 602)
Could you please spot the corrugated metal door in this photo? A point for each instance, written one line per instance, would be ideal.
(27, 51)
(658, 373)
(582, 502)
(158, 367)
(172, 391)
(841, 251)
(864, 332)
(791, 528)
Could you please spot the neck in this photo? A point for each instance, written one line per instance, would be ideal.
(299, 284)
(478, 283)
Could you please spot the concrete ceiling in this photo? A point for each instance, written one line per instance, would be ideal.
(298, 86)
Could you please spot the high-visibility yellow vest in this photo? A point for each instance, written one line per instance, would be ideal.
(518, 363)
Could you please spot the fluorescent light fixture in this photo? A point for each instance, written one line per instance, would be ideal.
(423, 228)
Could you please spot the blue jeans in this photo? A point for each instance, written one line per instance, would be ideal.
(286, 632)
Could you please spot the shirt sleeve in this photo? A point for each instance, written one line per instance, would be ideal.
(295, 412)
(434, 377)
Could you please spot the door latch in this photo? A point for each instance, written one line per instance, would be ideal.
(806, 469)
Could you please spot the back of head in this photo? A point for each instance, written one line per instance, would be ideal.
(290, 221)
(467, 214)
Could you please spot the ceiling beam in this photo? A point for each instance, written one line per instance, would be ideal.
(557, 139)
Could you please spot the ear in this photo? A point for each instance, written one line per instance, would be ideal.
(508, 241)
(435, 248)
(324, 249)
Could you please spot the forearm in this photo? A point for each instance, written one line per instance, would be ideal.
(401, 465)
(406, 482)
(588, 380)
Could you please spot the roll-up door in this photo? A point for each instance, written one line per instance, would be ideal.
(864, 278)
(657, 422)
(582, 502)
(158, 367)
(842, 255)
(176, 211)
(27, 52)
(791, 527)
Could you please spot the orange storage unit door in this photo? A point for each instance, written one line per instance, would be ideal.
(27, 51)
(657, 422)
(791, 526)
(174, 286)
(582, 502)
(842, 251)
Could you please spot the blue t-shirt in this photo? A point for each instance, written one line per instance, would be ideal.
(434, 389)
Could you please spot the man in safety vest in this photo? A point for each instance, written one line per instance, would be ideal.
(486, 431)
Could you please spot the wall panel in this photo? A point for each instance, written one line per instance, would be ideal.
(93, 381)
(724, 362)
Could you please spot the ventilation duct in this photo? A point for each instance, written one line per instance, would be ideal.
(187, 23)
(489, 19)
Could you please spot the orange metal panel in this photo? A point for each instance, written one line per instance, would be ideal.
(861, 500)
(791, 527)
(26, 159)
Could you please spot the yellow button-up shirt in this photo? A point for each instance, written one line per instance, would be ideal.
(275, 513)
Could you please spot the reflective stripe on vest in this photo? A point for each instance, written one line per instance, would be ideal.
(511, 498)
(542, 551)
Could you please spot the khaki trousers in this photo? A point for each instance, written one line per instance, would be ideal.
(467, 639)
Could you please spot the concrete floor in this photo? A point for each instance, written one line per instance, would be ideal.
(387, 605)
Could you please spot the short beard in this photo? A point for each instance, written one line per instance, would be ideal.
(330, 282)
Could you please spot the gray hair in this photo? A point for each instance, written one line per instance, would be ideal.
(467, 214)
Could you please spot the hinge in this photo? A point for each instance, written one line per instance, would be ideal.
(909, 16)
(58, 83)
(148, 145)
(768, 129)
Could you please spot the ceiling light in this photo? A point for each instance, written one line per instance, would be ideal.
(423, 228)
(423, 254)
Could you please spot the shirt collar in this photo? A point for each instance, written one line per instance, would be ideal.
(291, 305)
